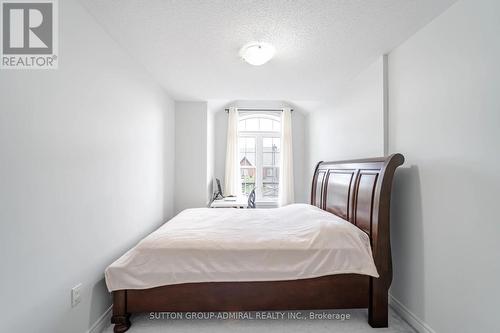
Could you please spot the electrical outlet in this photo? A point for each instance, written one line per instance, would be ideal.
(76, 295)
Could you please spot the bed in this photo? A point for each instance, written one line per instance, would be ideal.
(332, 254)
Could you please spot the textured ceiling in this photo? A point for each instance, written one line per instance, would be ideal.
(191, 47)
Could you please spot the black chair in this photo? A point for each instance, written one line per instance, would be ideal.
(251, 199)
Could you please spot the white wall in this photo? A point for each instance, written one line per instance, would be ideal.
(85, 172)
(210, 153)
(301, 185)
(352, 126)
(444, 116)
(298, 124)
(191, 155)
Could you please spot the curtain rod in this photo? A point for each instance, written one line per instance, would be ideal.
(246, 109)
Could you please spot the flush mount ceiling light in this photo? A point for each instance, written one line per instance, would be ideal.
(257, 53)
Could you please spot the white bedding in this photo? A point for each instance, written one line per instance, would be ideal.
(212, 245)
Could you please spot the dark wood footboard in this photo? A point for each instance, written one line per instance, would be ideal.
(326, 292)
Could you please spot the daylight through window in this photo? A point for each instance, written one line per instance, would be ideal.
(259, 147)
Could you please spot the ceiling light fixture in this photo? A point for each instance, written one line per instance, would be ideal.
(257, 53)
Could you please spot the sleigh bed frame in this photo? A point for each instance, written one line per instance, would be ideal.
(359, 191)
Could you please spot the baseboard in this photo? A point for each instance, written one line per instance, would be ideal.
(418, 324)
(101, 323)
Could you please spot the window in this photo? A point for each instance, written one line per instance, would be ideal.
(260, 146)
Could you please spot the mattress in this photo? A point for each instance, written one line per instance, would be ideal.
(219, 245)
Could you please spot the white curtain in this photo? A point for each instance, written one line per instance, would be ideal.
(232, 182)
(286, 195)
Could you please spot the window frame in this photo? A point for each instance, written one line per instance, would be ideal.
(259, 136)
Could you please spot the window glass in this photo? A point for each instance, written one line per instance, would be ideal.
(270, 182)
(266, 124)
(247, 151)
(276, 126)
(247, 180)
(252, 124)
(271, 151)
(242, 125)
(247, 163)
(259, 153)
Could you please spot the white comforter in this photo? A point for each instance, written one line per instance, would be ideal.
(208, 245)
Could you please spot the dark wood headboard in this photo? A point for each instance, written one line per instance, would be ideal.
(359, 191)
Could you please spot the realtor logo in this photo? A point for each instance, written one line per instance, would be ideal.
(29, 34)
